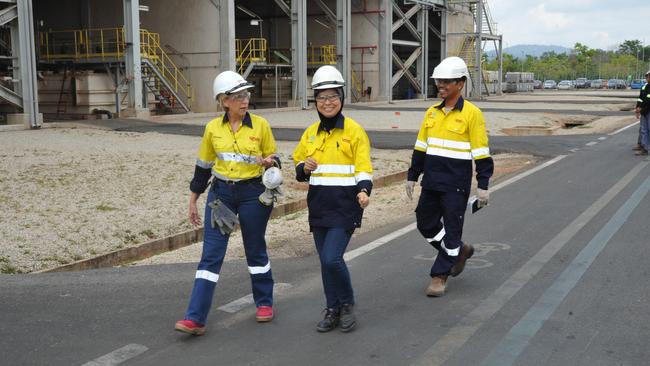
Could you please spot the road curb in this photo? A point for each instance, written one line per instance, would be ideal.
(177, 241)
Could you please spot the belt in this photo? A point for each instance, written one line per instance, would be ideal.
(243, 181)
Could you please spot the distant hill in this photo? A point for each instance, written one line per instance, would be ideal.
(530, 49)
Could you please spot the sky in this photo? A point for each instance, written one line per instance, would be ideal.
(596, 23)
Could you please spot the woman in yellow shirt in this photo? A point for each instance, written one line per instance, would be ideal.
(235, 149)
(334, 157)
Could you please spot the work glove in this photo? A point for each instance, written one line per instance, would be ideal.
(270, 196)
(483, 197)
(410, 185)
(223, 217)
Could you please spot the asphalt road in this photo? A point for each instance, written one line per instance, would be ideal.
(560, 278)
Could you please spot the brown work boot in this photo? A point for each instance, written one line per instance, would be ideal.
(638, 147)
(437, 286)
(641, 152)
(466, 252)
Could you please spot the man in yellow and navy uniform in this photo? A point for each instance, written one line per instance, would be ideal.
(451, 137)
(642, 112)
(235, 150)
(333, 155)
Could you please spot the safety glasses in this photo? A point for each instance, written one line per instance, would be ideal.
(240, 96)
(327, 98)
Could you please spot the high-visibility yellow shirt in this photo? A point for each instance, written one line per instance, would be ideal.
(232, 154)
(450, 141)
(344, 169)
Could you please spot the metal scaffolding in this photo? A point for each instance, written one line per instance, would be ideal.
(18, 16)
(474, 42)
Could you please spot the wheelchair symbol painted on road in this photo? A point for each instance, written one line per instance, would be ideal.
(480, 250)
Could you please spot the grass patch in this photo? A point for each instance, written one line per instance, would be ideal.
(105, 207)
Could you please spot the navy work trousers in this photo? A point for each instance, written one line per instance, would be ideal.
(331, 243)
(446, 238)
(253, 217)
(644, 130)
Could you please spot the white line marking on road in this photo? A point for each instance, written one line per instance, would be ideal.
(574, 150)
(378, 242)
(527, 173)
(602, 138)
(457, 336)
(236, 305)
(118, 356)
(592, 143)
(623, 129)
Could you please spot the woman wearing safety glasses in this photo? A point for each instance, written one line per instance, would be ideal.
(334, 157)
(235, 151)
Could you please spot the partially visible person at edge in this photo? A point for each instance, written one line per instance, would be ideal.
(642, 113)
(235, 150)
(333, 155)
(451, 136)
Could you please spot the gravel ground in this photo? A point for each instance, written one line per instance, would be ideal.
(70, 194)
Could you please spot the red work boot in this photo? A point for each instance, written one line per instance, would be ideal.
(264, 314)
(190, 327)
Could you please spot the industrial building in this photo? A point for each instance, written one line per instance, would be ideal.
(136, 57)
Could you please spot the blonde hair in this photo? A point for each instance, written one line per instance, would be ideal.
(220, 99)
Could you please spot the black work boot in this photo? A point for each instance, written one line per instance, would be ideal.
(329, 322)
(348, 320)
(466, 252)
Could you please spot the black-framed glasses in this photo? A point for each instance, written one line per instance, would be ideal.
(327, 98)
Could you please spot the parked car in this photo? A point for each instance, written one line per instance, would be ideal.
(582, 83)
(637, 84)
(612, 84)
(537, 84)
(597, 84)
(550, 84)
(565, 85)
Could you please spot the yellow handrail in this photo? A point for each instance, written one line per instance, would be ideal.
(250, 50)
(356, 83)
(110, 43)
(321, 55)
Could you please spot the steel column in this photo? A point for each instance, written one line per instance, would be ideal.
(27, 59)
(476, 89)
(133, 62)
(343, 48)
(227, 35)
(299, 51)
(386, 51)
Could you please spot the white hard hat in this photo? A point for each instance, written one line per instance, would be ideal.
(327, 77)
(229, 82)
(272, 177)
(647, 73)
(451, 68)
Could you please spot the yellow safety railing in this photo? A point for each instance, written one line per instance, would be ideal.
(250, 50)
(104, 44)
(321, 55)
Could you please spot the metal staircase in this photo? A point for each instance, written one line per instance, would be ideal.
(471, 49)
(160, 74)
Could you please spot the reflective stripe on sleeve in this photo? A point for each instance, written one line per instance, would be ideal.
(334, 169)
(204, 164)
(461, 145)
(482, 151)
(259, 270)
(207, 275)
(449, 153)
(332, 181)
(420, 144)
(363, 176)
(640, 100)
